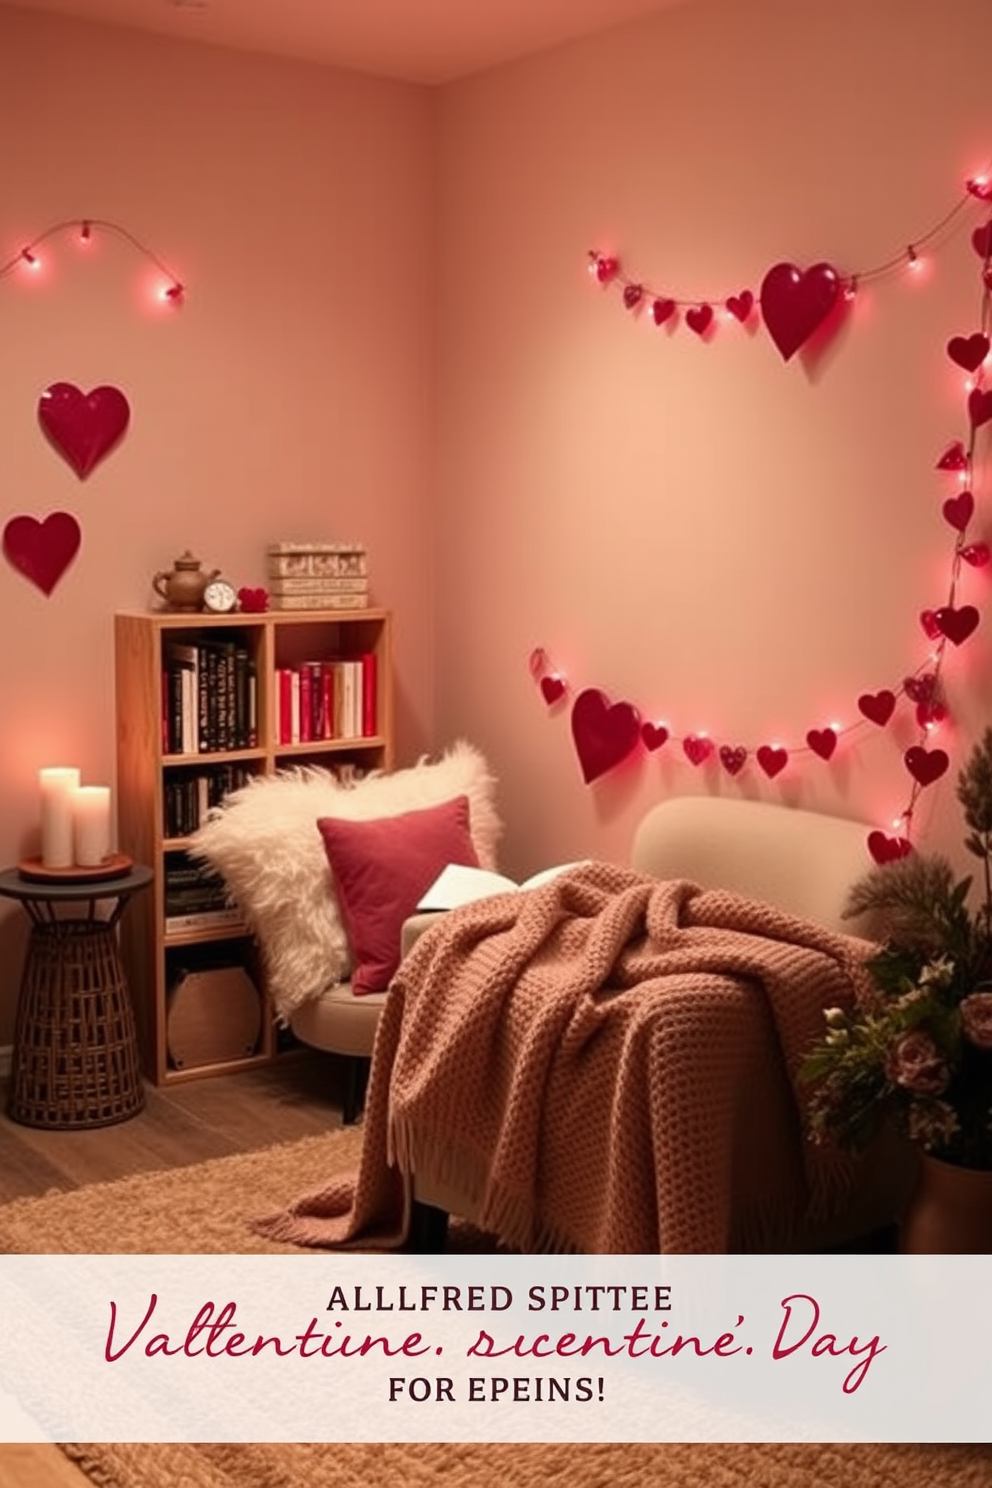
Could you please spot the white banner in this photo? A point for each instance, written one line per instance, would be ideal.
(329, 1347)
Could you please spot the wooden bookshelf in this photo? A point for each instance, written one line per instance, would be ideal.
(147, 762)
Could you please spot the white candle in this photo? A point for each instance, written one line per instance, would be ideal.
(91, 825)
(57, 785)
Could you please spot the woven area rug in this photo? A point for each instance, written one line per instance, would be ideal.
(196, 1210)
(587, 1465)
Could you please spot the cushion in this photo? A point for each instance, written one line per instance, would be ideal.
(381, 869)
(263, 840)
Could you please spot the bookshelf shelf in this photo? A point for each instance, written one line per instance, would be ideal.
(239, 689)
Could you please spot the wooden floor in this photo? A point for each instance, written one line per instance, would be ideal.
(297, 1096)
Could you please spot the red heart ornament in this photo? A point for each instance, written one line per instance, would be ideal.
(552, 689)
(741, 305)
(888, 849)
(822, 742)
(959, 510)
(925, 765)
(733, 757)
(604, 733)
(772, 758)
(84, 427)
(957, 624)
(697, 748)
(654, 735)
(699, 319)
(606, 268)
(878, 707)
(980, 406)
(42, 551)
(928, 619)
(662, 310)
(921, 688)
(794, 303)
(968, 352)
(953, 458)
(981, 239)
(929, 713)
(632, 295)
(977, 554)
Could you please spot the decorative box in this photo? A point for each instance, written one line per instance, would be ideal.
(316, 560)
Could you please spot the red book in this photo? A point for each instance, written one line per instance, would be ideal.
(284, 706)
(327, 682)
(369, 711)
(306, 705)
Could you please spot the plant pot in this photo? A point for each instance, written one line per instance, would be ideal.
(950, 1212)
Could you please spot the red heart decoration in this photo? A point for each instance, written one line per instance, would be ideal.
(794, 303)
(928, 619)
(84, 427)
(632, 295)
(888, 849)
(606, 268)
(977, 554)
(957, 625)
(981, 239)
(253, 601)
(654, 735)
(697, 748)
(42, 551)
(980, 406)
(920, 689)
(604, 734)
(733, 758)
(552, 688)
(741, 305)
(959, 510)
(924, 765)
(953, 458)
(699, 318)
(662, 310)
(928, 713)
(822, 742)
(968, 352)
(772, 758)
(878, 707)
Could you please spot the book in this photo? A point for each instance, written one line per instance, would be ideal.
(459, 884)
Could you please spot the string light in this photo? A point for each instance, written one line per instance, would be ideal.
(174, 291)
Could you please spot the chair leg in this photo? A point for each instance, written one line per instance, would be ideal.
(428, 1229)
(356, 1073)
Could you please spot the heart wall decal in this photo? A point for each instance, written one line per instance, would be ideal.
(83, 427)
(604, 732)
(42, 551)
(796, 302)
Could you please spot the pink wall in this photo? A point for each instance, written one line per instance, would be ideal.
(704, 530)
(291, 397)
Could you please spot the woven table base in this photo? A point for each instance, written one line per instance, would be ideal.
(75, 1049)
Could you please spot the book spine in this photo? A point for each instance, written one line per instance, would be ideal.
(369, 695)
(304, 684)
(207, 919)
(284, 706)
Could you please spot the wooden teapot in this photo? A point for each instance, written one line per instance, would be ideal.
(183, 586)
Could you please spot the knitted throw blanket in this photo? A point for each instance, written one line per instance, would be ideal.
(604, 1064)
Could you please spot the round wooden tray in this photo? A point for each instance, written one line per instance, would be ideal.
(118, 865)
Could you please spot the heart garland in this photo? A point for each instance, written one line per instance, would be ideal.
(795, 305)
(42, 551)
(83, 427)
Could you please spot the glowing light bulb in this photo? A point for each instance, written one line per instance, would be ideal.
(85, 232)
(172, 293)
(851, 289)
(914, 259)
(30, 258)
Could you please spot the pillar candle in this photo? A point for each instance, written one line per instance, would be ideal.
(57, 784)
(91, 825)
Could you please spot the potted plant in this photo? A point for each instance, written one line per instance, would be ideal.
(917, 1050)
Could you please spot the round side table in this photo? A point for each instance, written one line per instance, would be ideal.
(75, 1061)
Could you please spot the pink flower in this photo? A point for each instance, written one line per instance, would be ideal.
(914, 1063)
(976, 1019)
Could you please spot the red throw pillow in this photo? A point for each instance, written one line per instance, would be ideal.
(382, 868)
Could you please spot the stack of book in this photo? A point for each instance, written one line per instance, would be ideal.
(317, 576)
(209, 697)
(189, 794)
(196, 899)
(320, 700)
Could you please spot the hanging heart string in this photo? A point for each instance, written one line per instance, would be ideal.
(607, 733)
(794, 302)
(29, 258)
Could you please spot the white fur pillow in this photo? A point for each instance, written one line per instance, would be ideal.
(264, 842)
